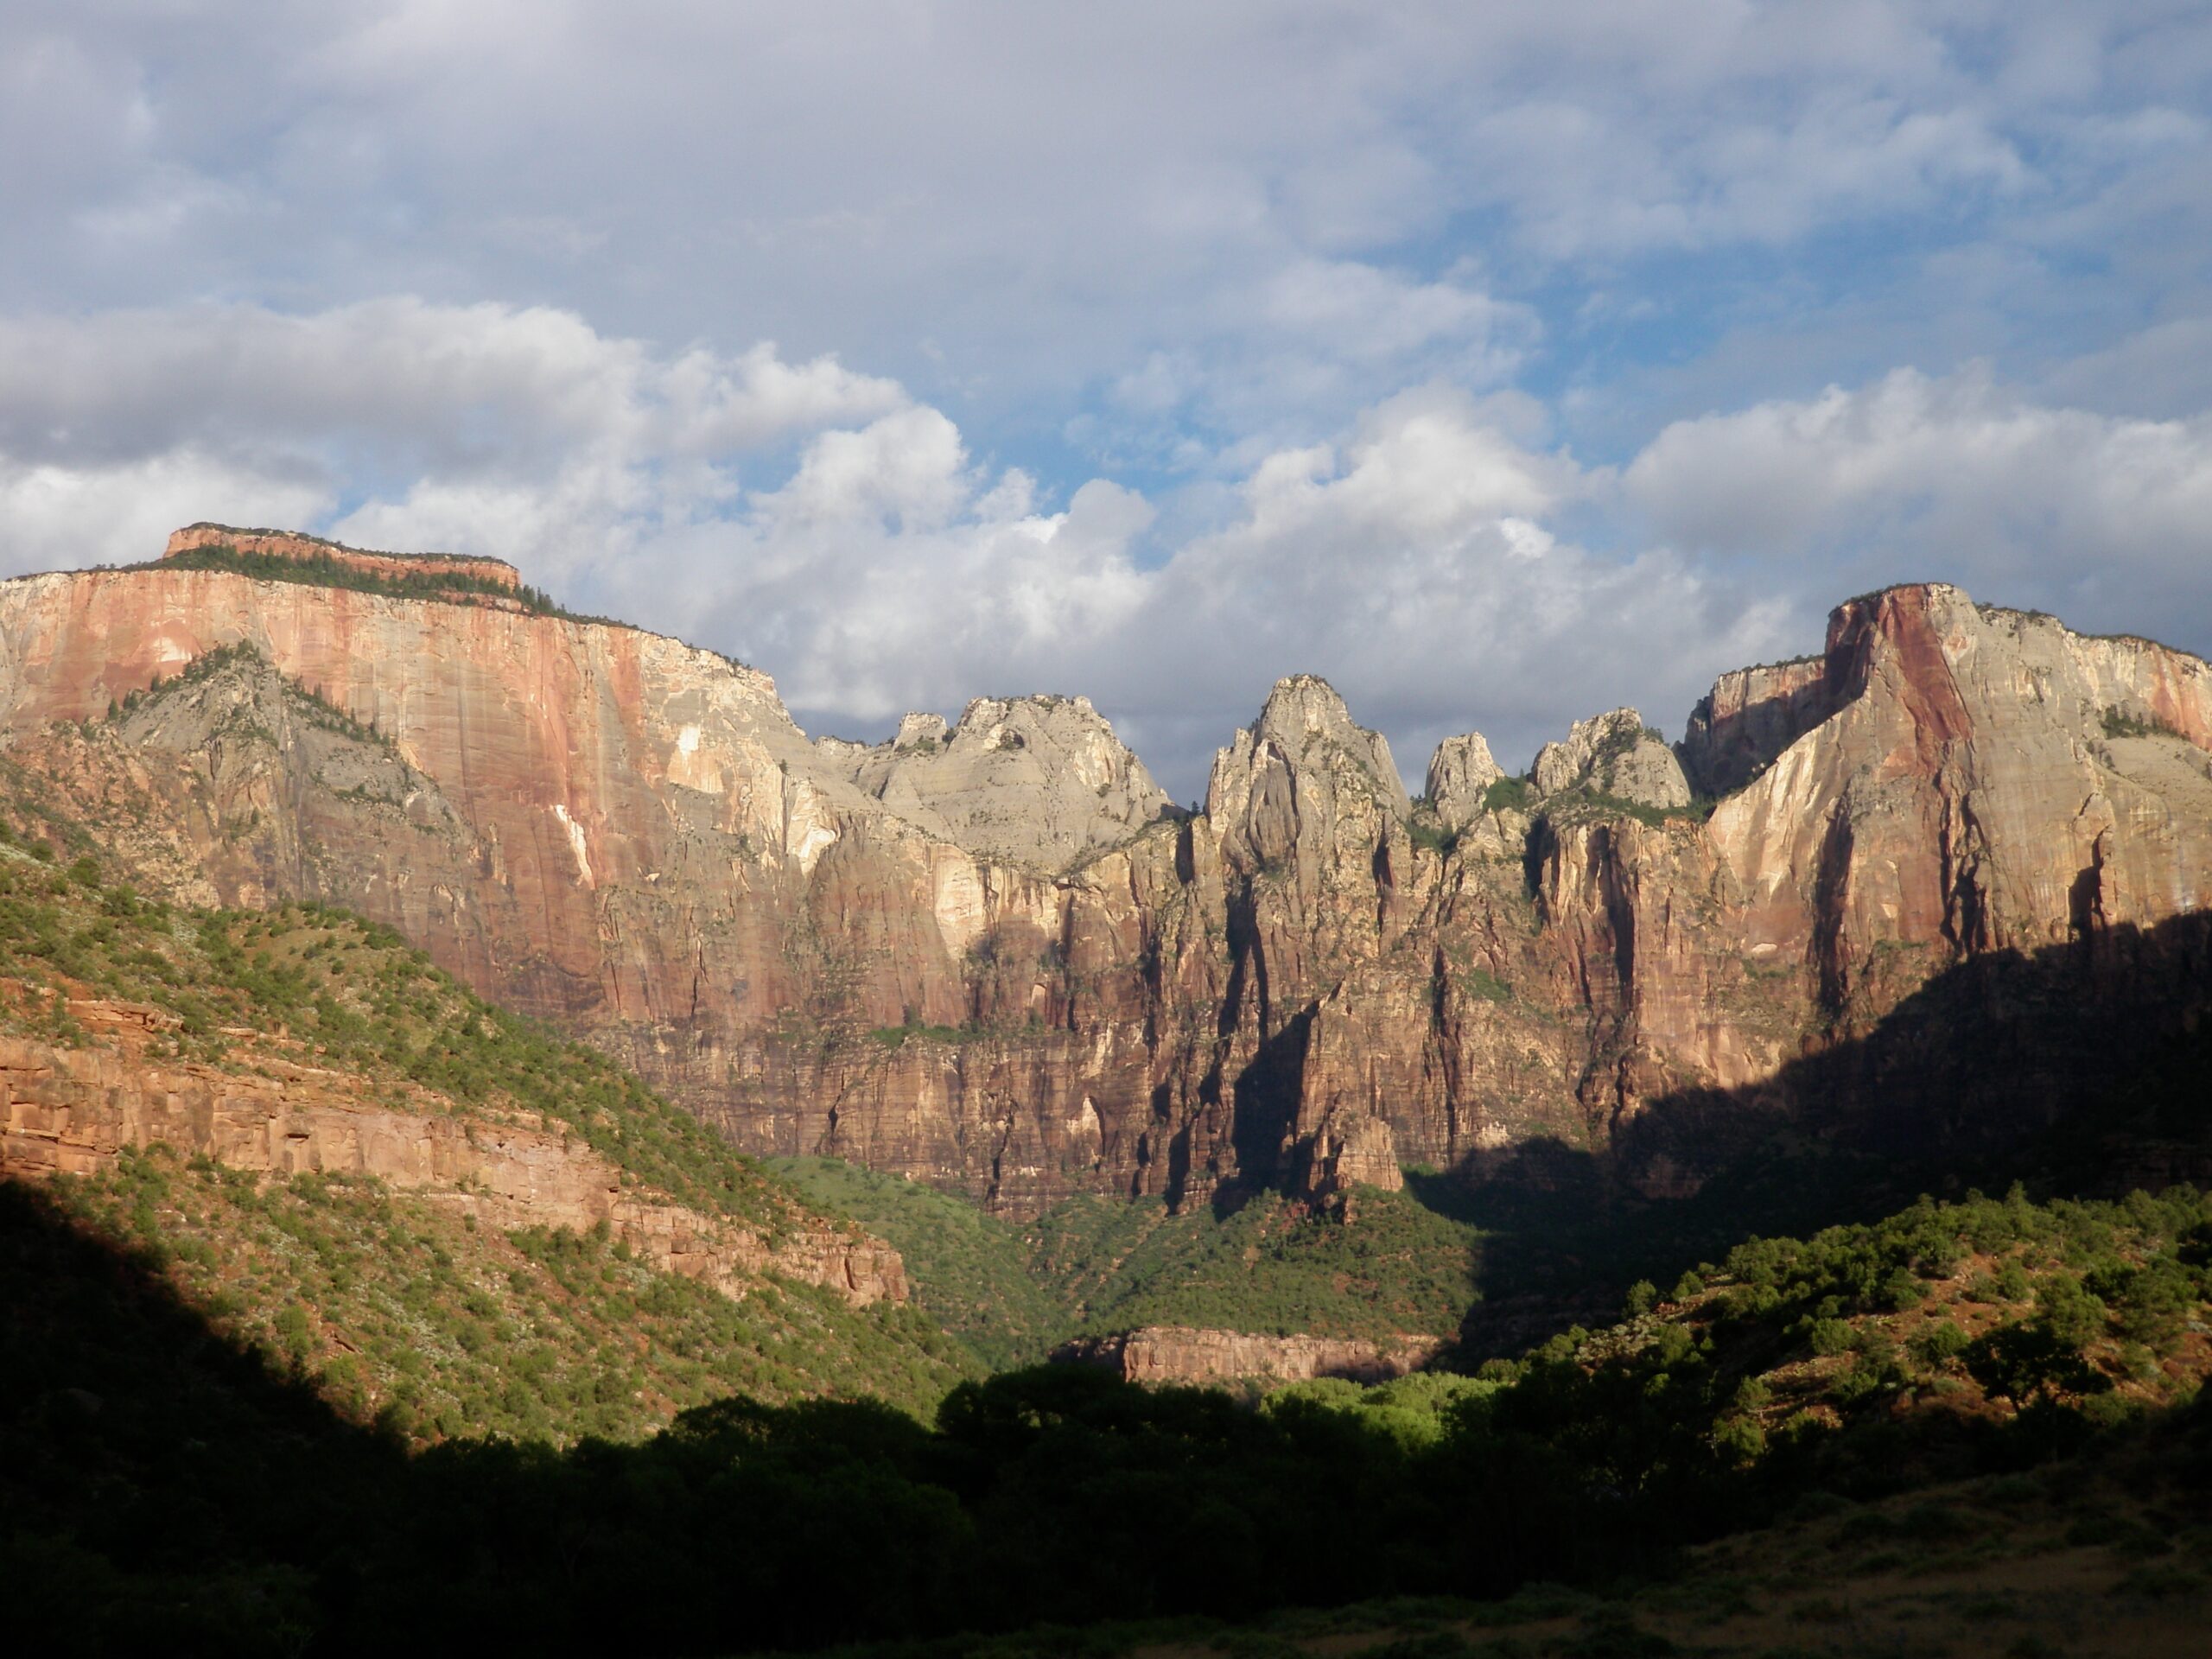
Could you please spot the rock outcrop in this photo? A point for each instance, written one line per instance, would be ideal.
(1177, 1354)
(291, 545)
(1460, 775)
(953, 957)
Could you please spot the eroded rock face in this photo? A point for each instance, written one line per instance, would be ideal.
(1179, 1354)
(1459, 776)
(630, 837)
(1750, 716)
(1040, 782)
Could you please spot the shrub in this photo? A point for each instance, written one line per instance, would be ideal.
(1829, 1337)
(1938, 1345)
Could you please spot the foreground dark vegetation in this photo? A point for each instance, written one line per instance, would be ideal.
(161, 1479)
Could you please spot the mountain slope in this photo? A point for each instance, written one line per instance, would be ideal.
(1016, 1291)
(452, 1221)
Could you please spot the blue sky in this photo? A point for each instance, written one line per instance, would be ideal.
(1502, 363)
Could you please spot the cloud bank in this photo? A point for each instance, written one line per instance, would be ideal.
(827, 525)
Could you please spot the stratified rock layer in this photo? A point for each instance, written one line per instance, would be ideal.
(1026, 989)
(290, 544)
(73, 1110)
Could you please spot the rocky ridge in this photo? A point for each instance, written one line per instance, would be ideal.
(1039, 782)
(848, 949)
(299, 549)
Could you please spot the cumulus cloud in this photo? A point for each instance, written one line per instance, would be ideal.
(1052, 199)
(1408, 561)
(436, 384)
(61, 518)
(2105, 520)
(478, 428)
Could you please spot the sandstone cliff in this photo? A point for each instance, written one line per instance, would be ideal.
(954, 956)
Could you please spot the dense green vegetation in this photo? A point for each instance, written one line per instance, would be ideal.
(2098, 1305)
(1092, 1264)
(1273, 1268)
(970, 1270)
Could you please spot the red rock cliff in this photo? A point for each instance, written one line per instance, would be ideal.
(630, 837)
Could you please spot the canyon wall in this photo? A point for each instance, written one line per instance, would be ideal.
(992, 956)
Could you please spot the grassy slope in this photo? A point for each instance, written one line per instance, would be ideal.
(402, 1309)
(1012, 1291)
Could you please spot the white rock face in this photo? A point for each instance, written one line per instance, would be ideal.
(1303, 780)
(1038, 781)
(1613, 754)
(1459, 775)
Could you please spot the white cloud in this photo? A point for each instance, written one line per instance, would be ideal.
(2107, 519)
(54, 518)
(437, 383)
(1053, 196)
(1404, 561)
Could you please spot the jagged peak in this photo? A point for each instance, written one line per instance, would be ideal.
(1306, 720)
(1460, 775)
(1304, 702)
(1615, 754)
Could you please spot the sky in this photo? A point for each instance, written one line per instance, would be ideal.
(1503, 363)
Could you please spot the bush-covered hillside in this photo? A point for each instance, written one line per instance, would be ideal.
(1989, 1308)
(970, 1271)
(404, 1310)
(1012, 1291)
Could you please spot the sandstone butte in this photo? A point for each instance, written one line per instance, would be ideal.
(992, 955)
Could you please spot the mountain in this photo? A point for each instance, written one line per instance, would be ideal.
(991, 956)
